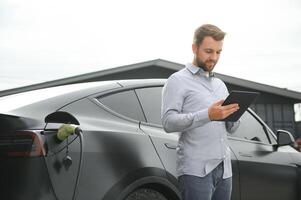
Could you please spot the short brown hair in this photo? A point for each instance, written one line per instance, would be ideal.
(207, 30)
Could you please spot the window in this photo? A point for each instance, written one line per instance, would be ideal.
(297, 108)
(250, 129)
(150, 99)
(125, 103)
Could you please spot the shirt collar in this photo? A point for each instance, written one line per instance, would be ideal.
(194, 70)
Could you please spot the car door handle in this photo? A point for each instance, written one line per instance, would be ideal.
(170, 146)
(245, 154)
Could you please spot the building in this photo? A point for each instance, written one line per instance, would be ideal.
(274, 105)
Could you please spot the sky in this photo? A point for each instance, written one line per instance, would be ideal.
(42, 40)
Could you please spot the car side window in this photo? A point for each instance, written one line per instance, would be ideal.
(150, 99)
(125, 103)
(250, 129)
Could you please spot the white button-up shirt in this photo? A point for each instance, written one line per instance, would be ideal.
(202, 144)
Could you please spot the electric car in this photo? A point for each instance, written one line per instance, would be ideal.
(120, 150)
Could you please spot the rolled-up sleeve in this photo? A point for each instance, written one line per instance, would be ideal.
(173, 120)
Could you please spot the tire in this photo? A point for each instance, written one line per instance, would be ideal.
(145, 194)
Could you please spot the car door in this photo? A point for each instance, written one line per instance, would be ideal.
(166, 143)
(150, 99)
(266, 173)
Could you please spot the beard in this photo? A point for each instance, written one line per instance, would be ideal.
(203, 65)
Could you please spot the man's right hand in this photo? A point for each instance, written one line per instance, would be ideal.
(218, 112)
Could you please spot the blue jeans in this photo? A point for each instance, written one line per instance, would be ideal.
(210, 187)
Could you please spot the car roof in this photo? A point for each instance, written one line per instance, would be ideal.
(50, 99)
(37, 104)
(141, 82)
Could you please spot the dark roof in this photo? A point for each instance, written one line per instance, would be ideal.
(159, 63)
(261, 87)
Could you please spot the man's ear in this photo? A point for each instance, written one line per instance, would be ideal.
(194, 49)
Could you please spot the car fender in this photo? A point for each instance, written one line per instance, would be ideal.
(149, 177)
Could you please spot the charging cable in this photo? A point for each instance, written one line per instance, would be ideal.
(63, 133)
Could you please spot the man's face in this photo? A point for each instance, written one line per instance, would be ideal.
(207, 54)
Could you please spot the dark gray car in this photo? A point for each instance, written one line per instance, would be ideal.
(123, 152)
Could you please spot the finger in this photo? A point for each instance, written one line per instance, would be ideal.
(230, 106)
(229, 112)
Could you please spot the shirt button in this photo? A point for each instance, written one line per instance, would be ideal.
(222, 139)
(224, 156)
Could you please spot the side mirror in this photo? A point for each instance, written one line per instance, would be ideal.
(284, 138)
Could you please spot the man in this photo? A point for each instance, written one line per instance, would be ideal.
(192, 104)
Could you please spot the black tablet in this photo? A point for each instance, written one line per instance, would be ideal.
(243, 98)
